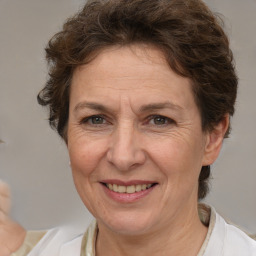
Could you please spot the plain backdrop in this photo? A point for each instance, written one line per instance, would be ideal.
(34, 161)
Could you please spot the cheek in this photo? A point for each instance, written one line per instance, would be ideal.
(168, 152)
(179, 160)
(85, 157)
(180, 168)
(84, 153)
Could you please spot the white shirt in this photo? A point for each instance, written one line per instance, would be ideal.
(222, 239)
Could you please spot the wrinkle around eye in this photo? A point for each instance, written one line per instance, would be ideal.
(86, 131)
(176, 129)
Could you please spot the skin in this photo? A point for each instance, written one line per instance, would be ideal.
(148, 128)
(12, 234)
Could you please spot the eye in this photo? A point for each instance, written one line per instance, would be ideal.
(94, 120)
(160, 120)
(97, 120)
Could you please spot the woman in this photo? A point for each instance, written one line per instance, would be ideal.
(142, 93)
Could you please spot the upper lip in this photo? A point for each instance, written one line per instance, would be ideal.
(128, 183)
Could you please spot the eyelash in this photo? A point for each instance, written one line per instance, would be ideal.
(167, 121)
(89, 118)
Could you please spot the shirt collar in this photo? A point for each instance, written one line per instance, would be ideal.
(206, 213)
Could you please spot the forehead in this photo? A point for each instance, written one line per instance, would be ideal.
(140, 73)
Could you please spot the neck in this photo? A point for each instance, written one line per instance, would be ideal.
(182, 238)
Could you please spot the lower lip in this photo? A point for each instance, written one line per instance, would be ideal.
(126, 197)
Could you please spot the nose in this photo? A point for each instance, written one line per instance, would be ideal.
(125, 151)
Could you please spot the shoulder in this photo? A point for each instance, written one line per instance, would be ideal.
(237, 242)
(228, 240)
(50, 242)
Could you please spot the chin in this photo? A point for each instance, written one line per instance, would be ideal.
(127, 224)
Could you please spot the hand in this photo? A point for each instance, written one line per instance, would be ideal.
(12, 234)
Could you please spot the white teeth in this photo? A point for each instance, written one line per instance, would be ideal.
(149, 185)
(128, 189)
(121, 189)
(115, 188)
(138, 188)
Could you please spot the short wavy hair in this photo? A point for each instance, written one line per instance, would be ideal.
(186, 31)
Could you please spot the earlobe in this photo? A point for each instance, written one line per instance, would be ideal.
(214, 141)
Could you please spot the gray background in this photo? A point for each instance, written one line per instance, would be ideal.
(34, 161)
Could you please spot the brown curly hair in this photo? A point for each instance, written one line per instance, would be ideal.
(186, 31)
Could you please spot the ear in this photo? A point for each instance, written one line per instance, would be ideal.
(214, 141)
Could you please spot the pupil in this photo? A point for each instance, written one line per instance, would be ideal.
(159, 120)
(97, 120)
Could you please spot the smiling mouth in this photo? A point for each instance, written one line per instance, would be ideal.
(128, 189)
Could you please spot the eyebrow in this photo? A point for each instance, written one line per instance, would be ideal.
(159, 106)
(90, 105)
(143, 108)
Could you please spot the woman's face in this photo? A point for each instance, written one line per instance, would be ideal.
(135, 140)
